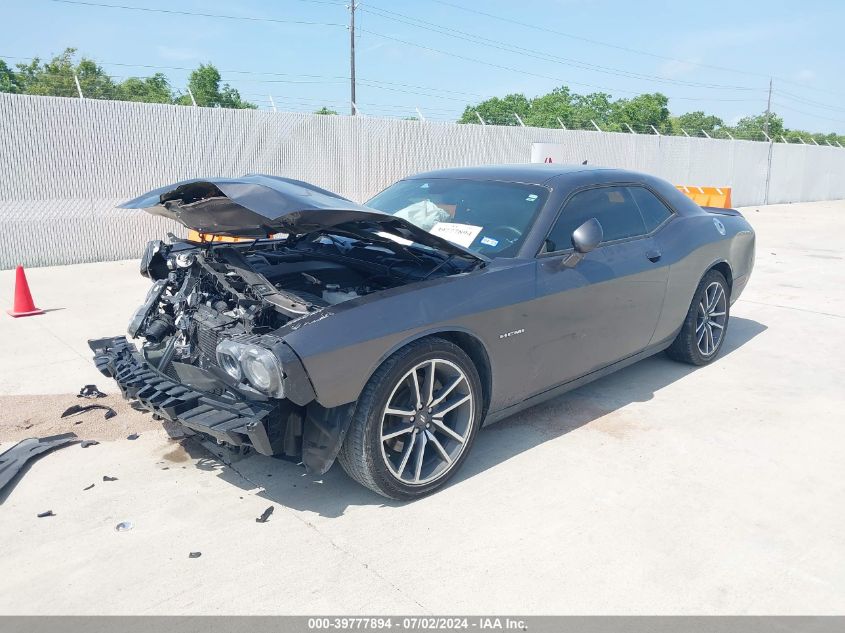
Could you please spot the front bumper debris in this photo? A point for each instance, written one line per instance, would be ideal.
(227, 419)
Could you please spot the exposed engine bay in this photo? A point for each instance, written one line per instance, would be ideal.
(205, 293)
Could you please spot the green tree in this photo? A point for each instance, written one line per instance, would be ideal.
(56, 77)
(325, 110)
(155, 89)
(751, 127)
(695, 122)
(498, 111)
(204, 83)
(9, 81)
(551, 109)
(596, 106)
(642, 112)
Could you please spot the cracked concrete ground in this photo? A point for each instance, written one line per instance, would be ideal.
(661, 489)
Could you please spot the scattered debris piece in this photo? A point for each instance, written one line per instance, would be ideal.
(90, 391)
(88, 487)
(123, 526)
(87, 443)
(265, 515)
(132, 436)
(16, 457)
(194, 554)
(78, 409)
(165, 467)
(48, 513)
(107, 478)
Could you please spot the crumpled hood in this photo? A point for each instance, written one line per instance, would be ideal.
(257, 206)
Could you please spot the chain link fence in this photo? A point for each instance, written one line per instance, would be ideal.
(65, 164)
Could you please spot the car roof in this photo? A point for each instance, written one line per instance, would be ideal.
(529, 173)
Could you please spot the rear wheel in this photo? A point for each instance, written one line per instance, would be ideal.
(415, 421)
(706, 324)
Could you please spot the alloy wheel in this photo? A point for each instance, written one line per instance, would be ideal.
(711, 319)
(427, 421)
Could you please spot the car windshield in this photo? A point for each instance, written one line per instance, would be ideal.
(487, 217)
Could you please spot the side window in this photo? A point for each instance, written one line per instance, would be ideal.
(653, 210)
(613, 207)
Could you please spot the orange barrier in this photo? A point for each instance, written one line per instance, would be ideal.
(708, 196)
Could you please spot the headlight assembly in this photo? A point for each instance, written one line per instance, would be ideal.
(263, 370)
(229, 358)
(257, 365)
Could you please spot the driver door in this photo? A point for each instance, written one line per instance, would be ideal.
(606, 307)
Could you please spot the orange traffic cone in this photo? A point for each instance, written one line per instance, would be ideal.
(24, 305)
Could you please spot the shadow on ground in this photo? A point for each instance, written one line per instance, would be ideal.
(287, 484)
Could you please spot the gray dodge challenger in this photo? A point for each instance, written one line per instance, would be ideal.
(383, 336)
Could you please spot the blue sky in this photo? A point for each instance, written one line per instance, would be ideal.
(801, 45)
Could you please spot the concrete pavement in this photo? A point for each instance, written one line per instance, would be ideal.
(661, 489)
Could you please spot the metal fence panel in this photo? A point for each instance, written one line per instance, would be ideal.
(66, 163)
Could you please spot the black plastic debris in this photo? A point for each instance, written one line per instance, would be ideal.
(90, 391)
(15, 458)
(107, 478)
(87, 443)
(132, 436)
(194, 554)
(78, 409)
(265, 515)
(48, 513)
(88, 487)
(123, 526)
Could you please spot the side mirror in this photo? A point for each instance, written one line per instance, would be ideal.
(584, 239)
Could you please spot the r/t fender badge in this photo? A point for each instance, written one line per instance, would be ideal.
(719, 226)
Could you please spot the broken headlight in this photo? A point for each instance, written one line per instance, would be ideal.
(229, 358)
(263, 370)
(259, 366)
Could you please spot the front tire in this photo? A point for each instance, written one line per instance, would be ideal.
(706, 324)
(415, 420)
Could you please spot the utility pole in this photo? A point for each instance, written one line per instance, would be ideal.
(352, 8)
(768, 110)
(771, 144)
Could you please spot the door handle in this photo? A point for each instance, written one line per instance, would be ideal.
(654, 255)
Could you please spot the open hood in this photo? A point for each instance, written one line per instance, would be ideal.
(257, 206)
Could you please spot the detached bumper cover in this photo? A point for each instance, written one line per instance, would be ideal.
(234, 421)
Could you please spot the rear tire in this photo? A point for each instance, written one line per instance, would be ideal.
(706, 324)
(415, 421)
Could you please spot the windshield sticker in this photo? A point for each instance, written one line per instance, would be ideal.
(489, 241)
(531, 197)
(460, 234)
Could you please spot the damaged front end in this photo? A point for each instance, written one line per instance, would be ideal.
(211, 353)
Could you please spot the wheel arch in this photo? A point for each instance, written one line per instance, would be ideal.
(471, 345)
(723, 267)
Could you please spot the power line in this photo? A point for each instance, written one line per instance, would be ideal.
(199, 14)
(336, 78)
(805, 101)
(625, 48)
(526, 72)
(818, 116)
(463, 35)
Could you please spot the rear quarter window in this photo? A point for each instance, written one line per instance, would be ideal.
(653, 210)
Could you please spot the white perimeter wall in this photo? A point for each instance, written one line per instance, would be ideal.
(66, 163)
